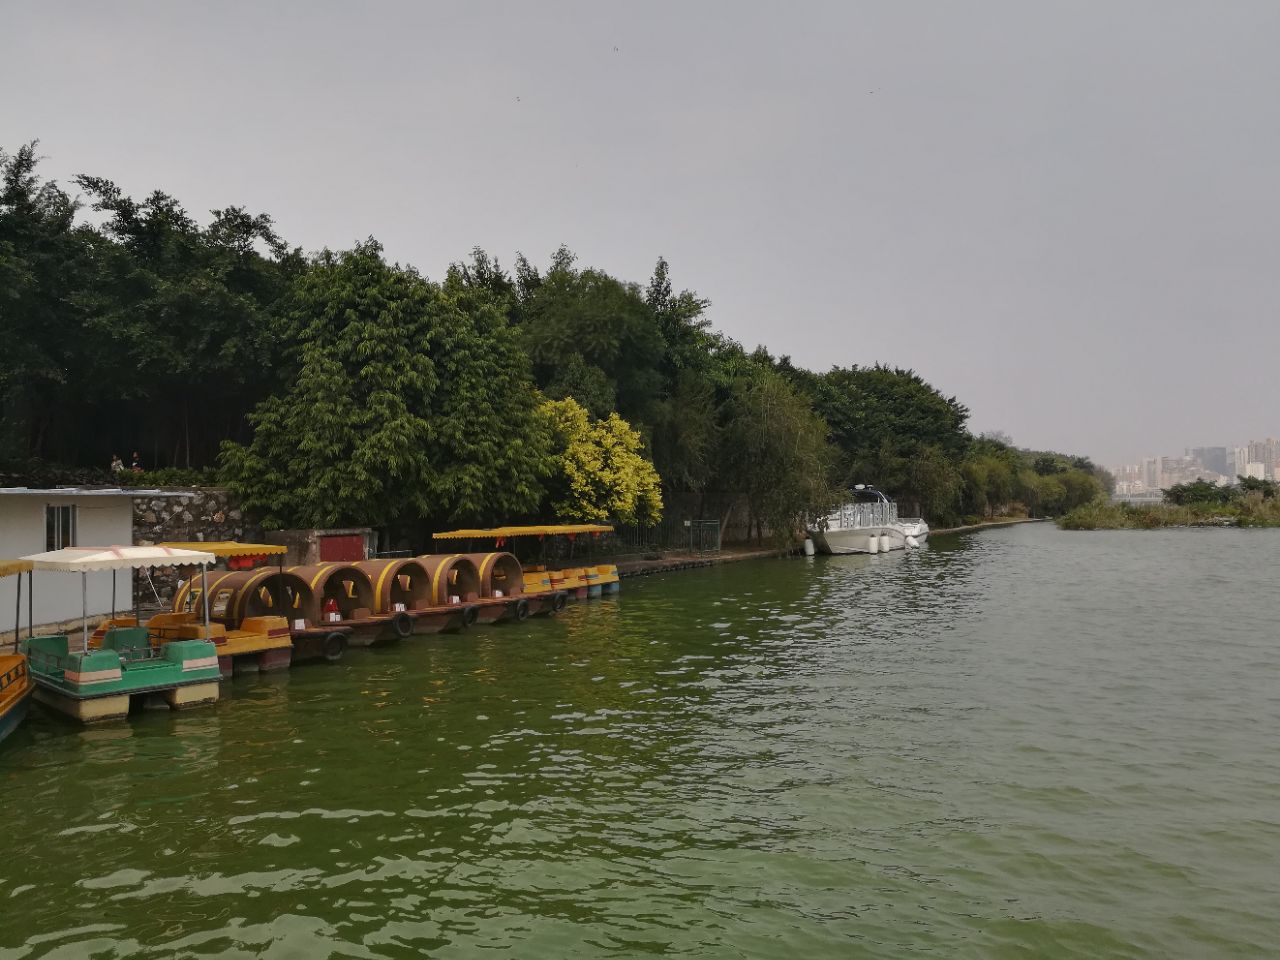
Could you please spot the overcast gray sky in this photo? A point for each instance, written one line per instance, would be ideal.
(1066, 214)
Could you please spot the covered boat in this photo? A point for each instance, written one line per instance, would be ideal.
(403, 591)
(868, 523)
(341, 594)
(574, 580)
(92, 684)
(246, 644)
(456, 582)
(16, 685)
(271, 601)
(501, 587)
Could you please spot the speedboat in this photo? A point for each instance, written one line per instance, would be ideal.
(867, 523)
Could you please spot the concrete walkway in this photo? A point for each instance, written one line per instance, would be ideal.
(687, 561)
(986, 525)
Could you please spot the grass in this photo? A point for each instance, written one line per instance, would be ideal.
(1248, 511)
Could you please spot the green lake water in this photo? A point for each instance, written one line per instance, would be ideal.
(1017, 743)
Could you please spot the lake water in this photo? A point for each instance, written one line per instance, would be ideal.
(1016, 743)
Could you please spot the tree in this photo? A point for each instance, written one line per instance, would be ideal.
(604, 323)
(773, 449)
(599, 472)
(402, 404)
(46, 265)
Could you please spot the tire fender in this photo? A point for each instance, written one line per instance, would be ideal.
(402, 624)
(469, 614)
(335, 645)
(520, 609)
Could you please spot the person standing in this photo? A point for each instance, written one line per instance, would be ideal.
(117, 465)
(137, 462)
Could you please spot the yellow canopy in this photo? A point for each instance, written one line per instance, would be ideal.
(229, 548)
(544, 531)
(9, 567)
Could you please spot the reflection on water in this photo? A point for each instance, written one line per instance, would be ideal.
(1018, 743)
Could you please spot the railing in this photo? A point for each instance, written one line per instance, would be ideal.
(853, 516)
(673, 533)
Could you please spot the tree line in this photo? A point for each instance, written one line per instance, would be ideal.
(338, 387)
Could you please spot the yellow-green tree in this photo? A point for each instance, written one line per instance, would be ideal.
(599, 472)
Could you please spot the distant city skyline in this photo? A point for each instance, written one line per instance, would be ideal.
(1258, 459)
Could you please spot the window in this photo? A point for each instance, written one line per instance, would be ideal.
(59, 527)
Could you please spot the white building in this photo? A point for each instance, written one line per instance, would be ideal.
(1255, 470)
(33, 521)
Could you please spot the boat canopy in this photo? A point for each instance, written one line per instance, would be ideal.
(88, 559)
(553, 530)
(9, 568)
(230, 548)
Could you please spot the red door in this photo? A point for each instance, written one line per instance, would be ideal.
(344, 547)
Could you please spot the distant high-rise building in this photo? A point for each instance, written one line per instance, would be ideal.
(1213, 458)
(1240, 462)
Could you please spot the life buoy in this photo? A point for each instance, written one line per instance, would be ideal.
(402, 624)
(521, 609)
(469, 614)
(559, 601)
(335, 645)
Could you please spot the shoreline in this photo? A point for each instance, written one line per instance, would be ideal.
(689, 561)
(986, 525)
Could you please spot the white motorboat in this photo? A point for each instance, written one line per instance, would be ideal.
(869, 523)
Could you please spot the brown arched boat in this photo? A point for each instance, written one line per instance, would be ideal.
(266, 601)
(403, 590)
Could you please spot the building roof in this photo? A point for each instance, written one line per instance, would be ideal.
(88, 492)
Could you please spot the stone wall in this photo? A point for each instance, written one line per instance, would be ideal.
(204, 513)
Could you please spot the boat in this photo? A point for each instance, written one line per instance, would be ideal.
(270, 600)
(245, 644)
(867, 523)
(404, 591)
(575, 582)
(16, 685)
(93, 684)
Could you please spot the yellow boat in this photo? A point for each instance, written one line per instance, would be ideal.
(16, 686)
(579, 582)
(246, 644)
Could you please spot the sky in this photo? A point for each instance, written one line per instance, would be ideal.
(1067, 215)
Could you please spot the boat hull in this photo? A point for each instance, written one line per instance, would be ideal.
(15, 711)
(860, 539)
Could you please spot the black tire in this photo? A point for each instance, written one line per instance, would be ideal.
(402, 624)
(559, 602)
(520, 610)
(335, 645)
(469, 614)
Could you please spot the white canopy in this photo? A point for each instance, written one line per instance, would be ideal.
(88, 559)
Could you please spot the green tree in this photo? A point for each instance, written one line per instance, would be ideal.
(402, 403)
(46, 266)
(774, 450)
(598, 468)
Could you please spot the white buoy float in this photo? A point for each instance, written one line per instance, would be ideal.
(808, 547)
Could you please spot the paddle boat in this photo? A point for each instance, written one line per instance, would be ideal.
(404, 591)
(273, 601)
(16, 685)
(246, 644)
(577, 582)
(491, 584)
(93, 684)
